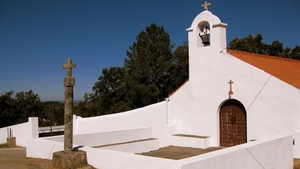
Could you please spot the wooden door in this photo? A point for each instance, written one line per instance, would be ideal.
(233, 124)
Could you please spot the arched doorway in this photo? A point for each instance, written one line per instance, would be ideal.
(233, 123)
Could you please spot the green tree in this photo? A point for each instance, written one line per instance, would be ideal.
(250, 43)
(180, 67)
(275, 49)
(8, 105)
(295, 53)
(254, 44)
(111, 91)
(148, 64)
(16, 108)
(28, 105)
(52, 114)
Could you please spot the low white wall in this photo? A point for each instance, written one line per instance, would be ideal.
(41, 148)
(149, 116)
(106, 138)
(101, 158)
(276, 152)
(22, 131)
(297, 144)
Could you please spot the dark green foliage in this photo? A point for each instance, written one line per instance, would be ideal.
(148, 66)
(180, 67)
(17, 108)
(295, 53)
(52, 114)
(254, 44)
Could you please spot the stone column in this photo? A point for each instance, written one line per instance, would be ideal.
(69, 83)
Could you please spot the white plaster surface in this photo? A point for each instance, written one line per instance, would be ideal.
(296, 146)
(153, 115)
(190, 142)
(135, 147)
(106, 138)
(275, 152)
(41, 148)
(22, 131)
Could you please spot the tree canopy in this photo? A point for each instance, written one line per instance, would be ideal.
(254, 44)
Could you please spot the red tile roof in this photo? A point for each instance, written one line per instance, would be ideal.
(287, 70)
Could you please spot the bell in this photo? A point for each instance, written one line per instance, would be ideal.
(204, 35)
(205, 40)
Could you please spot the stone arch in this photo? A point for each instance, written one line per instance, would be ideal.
(232, 123)
(203, 31)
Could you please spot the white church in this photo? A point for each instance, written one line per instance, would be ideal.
(249, 103)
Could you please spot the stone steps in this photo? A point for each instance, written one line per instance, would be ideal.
(136, 146)
(186, 140)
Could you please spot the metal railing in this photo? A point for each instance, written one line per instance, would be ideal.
(50, 129)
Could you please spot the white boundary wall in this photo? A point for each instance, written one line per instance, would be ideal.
(149, 116)
(22, 131)
(275, 152)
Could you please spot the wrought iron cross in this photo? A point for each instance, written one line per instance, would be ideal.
(230, 91)
(69, 65)
(205, 5)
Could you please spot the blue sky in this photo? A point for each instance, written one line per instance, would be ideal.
(37, 36)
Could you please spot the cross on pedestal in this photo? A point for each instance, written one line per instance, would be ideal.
(230, 91)
(205, 5)
(69, 83)
(69, 158)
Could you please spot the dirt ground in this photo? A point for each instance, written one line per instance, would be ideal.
(15, 158)
(177, 153)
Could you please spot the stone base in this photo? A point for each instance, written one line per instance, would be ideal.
(69, 160)
(11, 141)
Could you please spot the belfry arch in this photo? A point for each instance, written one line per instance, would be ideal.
(204, 34)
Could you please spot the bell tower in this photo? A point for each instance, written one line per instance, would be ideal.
(206, 38)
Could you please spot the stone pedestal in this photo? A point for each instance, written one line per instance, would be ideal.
(11, 141)
(69, 160)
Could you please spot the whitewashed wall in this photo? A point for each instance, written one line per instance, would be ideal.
(275, 152)
(22, 131)
(149, 116)
(106, 138)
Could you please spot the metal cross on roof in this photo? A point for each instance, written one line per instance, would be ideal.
(205, 5)
(69, 65)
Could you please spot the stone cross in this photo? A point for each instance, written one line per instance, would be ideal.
(69, 65)
(205, 5)
(69, 83)
(230, 91)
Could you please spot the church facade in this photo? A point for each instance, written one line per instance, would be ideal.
(229, 98)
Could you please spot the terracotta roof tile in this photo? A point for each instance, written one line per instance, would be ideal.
(287, 70)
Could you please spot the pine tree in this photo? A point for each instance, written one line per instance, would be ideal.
(148, 66)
